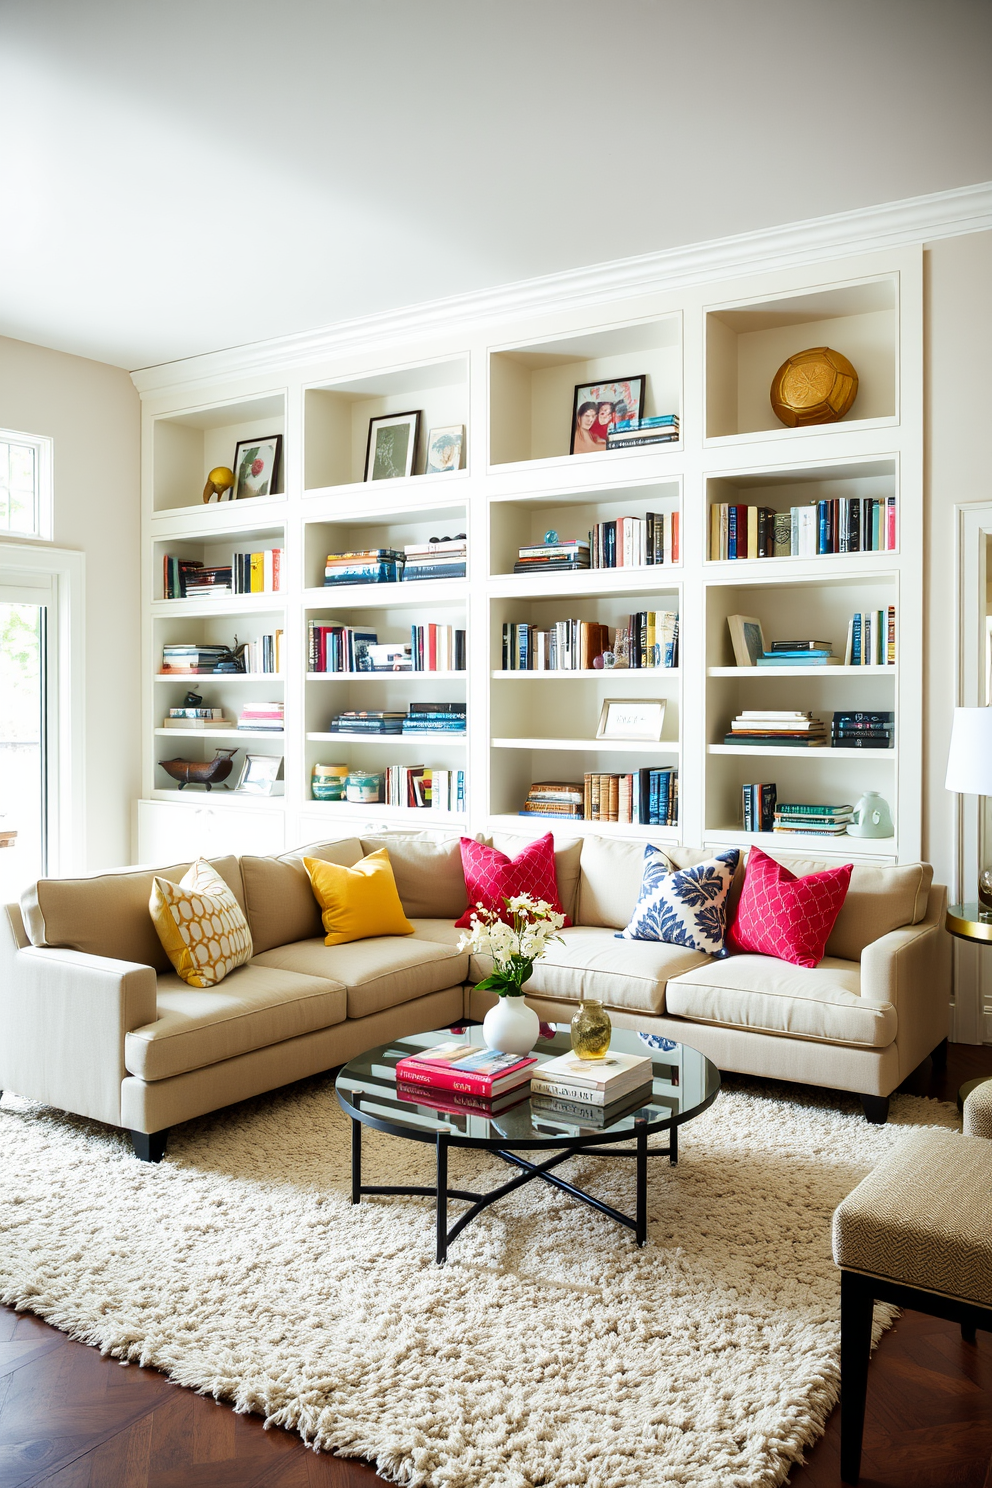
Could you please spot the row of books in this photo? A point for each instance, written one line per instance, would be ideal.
(871, 638)
(419, 718)
(257, 573)
(855, 524)
(648, 796)
(196, 659)
(346, 648)
(796, 728)
(640, 433)
(649, 639)
(423, 787)
(432, 560)
(247, 573)
(632, 542)
(262, 717)
(761, 812)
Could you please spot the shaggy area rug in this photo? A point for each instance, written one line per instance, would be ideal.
(549, 1353)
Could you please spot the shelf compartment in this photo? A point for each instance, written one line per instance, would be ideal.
(387, 528)
(516, 763)
(792, 609)
(821, 751)
(747, 342)
(532, 386)
(873, 849)
(187, 446)
(515, 523)
(337, 414)
(614, 746)
(587, 674)
(215, 551)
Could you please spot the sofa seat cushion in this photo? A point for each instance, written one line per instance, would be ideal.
(444, 932)
(771, 996)
(252, 1008)
(378, 973)
(592, 962)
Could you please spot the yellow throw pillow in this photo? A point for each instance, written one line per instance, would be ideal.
(358, 902)
(200, 925)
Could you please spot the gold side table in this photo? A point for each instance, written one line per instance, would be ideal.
(972, 922)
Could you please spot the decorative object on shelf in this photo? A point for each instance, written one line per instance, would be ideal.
(597, 405)
(257, 464)
(391, 451)
(444, 449)
(871, 817)
(816, 386)
(591, 1030)
(361, 786)
(515, 938)
(327, 782)
(969, 769)
(219, 485)
(747, 638)
(259, 774)
(551, 536)
(632, 718)
(192, 700)
(201, 772)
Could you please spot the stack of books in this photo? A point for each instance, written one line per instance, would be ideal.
(799, 653)
(419, 788)
(435, 718)
(365, 722)
(871, 638)
(338, 648)
(856, 524)
(649, 639)
(561, 798)
(481, 1076)
(187, 578)
(635, 541)
(264, 654)
(197, 718)
(586, 1090)
(436, 560)
(437, 648)
(257, 573)
(368, 566)
(191, 660)
(758, 807)
(563, 553)
(863, 730)
(649, 797)
(809, 819)
(264, 717)
(640, 433)
(777, 726)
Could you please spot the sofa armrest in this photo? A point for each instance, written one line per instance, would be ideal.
(978, 1111)
(911, 969)
(63, 1017)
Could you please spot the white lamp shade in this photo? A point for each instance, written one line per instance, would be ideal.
(969, 759)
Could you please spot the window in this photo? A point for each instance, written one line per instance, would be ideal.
(25, 485)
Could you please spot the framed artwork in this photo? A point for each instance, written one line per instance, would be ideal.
(392, 447)
(259, 774)
(597, 405)
(632, 718)
(444, 449)
(256, 466)
(748, 639)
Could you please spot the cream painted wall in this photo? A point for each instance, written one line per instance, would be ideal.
(91, 410)
(958, 335)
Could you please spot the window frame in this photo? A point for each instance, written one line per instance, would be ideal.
(44, 448)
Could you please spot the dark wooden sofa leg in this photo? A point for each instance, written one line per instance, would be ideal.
(968, 1333)
(149, 1146)
(876, 1109)
(856, 1306)
(938, 1056)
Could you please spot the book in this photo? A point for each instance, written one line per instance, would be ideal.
(560, 1111)
(456, 1102)
(596, 1083)
(466, 1068)
(823, 647)
(805, 809)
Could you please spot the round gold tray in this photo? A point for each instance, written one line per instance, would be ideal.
(964, 920)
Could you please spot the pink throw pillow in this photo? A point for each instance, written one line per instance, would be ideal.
(491, 877)
(785, 916)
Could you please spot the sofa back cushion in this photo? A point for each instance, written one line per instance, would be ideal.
(879, 899)
(428, 873)
(610, 873)
(567, 855)
(107, 914)
(279, 899)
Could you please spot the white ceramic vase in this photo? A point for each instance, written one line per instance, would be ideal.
(511, 1026)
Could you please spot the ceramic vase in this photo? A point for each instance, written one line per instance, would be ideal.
(511, 1026)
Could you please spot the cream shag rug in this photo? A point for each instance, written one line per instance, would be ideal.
(549, 1351)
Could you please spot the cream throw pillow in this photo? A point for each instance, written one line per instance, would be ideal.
(200, 925)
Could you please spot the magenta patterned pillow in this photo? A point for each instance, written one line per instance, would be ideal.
(491, 877)
(785, 916)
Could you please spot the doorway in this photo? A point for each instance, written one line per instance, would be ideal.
(24, 727)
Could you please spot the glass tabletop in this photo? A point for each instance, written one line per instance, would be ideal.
(683, 1084)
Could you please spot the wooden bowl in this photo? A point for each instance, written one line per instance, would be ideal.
(201, 772)
(817, 386)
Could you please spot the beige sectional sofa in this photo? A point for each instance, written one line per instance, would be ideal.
(93, 1019)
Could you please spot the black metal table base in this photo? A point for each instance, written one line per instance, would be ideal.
(575, 1147)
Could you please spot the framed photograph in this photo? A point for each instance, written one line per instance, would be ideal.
(632, 718)
(256, 467)
(748, 639)
(444, 449)
(392, 446)
(259, 775)
(599, 404)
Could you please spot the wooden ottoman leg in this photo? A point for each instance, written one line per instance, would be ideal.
(856, 1305)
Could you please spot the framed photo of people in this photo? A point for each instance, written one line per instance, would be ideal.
(597, 405)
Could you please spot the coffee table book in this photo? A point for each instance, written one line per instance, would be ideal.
(557, 1109)
(591, 1082)
(471, 1070)
(457, 1103)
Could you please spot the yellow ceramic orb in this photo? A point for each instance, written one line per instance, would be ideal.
(221, 477)
(817, 386)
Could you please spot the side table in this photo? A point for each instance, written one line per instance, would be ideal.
(972, 922)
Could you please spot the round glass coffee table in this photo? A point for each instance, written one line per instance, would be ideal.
(683, 1084)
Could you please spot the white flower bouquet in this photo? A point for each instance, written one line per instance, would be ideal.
(515, 940)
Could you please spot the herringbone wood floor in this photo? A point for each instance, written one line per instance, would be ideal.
(72, 1419)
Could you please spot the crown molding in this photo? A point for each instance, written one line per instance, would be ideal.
(917, 219)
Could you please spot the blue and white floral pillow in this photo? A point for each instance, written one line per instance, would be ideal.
(684, 906)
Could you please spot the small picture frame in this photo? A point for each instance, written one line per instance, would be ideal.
(444, 449)
(391, 451)
(256, 467)
(632, 718)
(259, 775)
(748, 639)
(597, 405)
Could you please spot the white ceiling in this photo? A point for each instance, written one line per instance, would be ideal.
(180, 176)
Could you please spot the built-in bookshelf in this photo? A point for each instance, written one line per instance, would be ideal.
(708, 353)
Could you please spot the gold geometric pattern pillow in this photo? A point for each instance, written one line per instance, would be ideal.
(200, 925)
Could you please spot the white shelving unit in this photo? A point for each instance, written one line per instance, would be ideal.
(709, 352)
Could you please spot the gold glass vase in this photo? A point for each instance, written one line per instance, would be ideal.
(591, 1030)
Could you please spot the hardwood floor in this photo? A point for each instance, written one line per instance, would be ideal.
(70, 1418)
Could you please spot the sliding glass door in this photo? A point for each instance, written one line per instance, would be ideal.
(24, 731)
